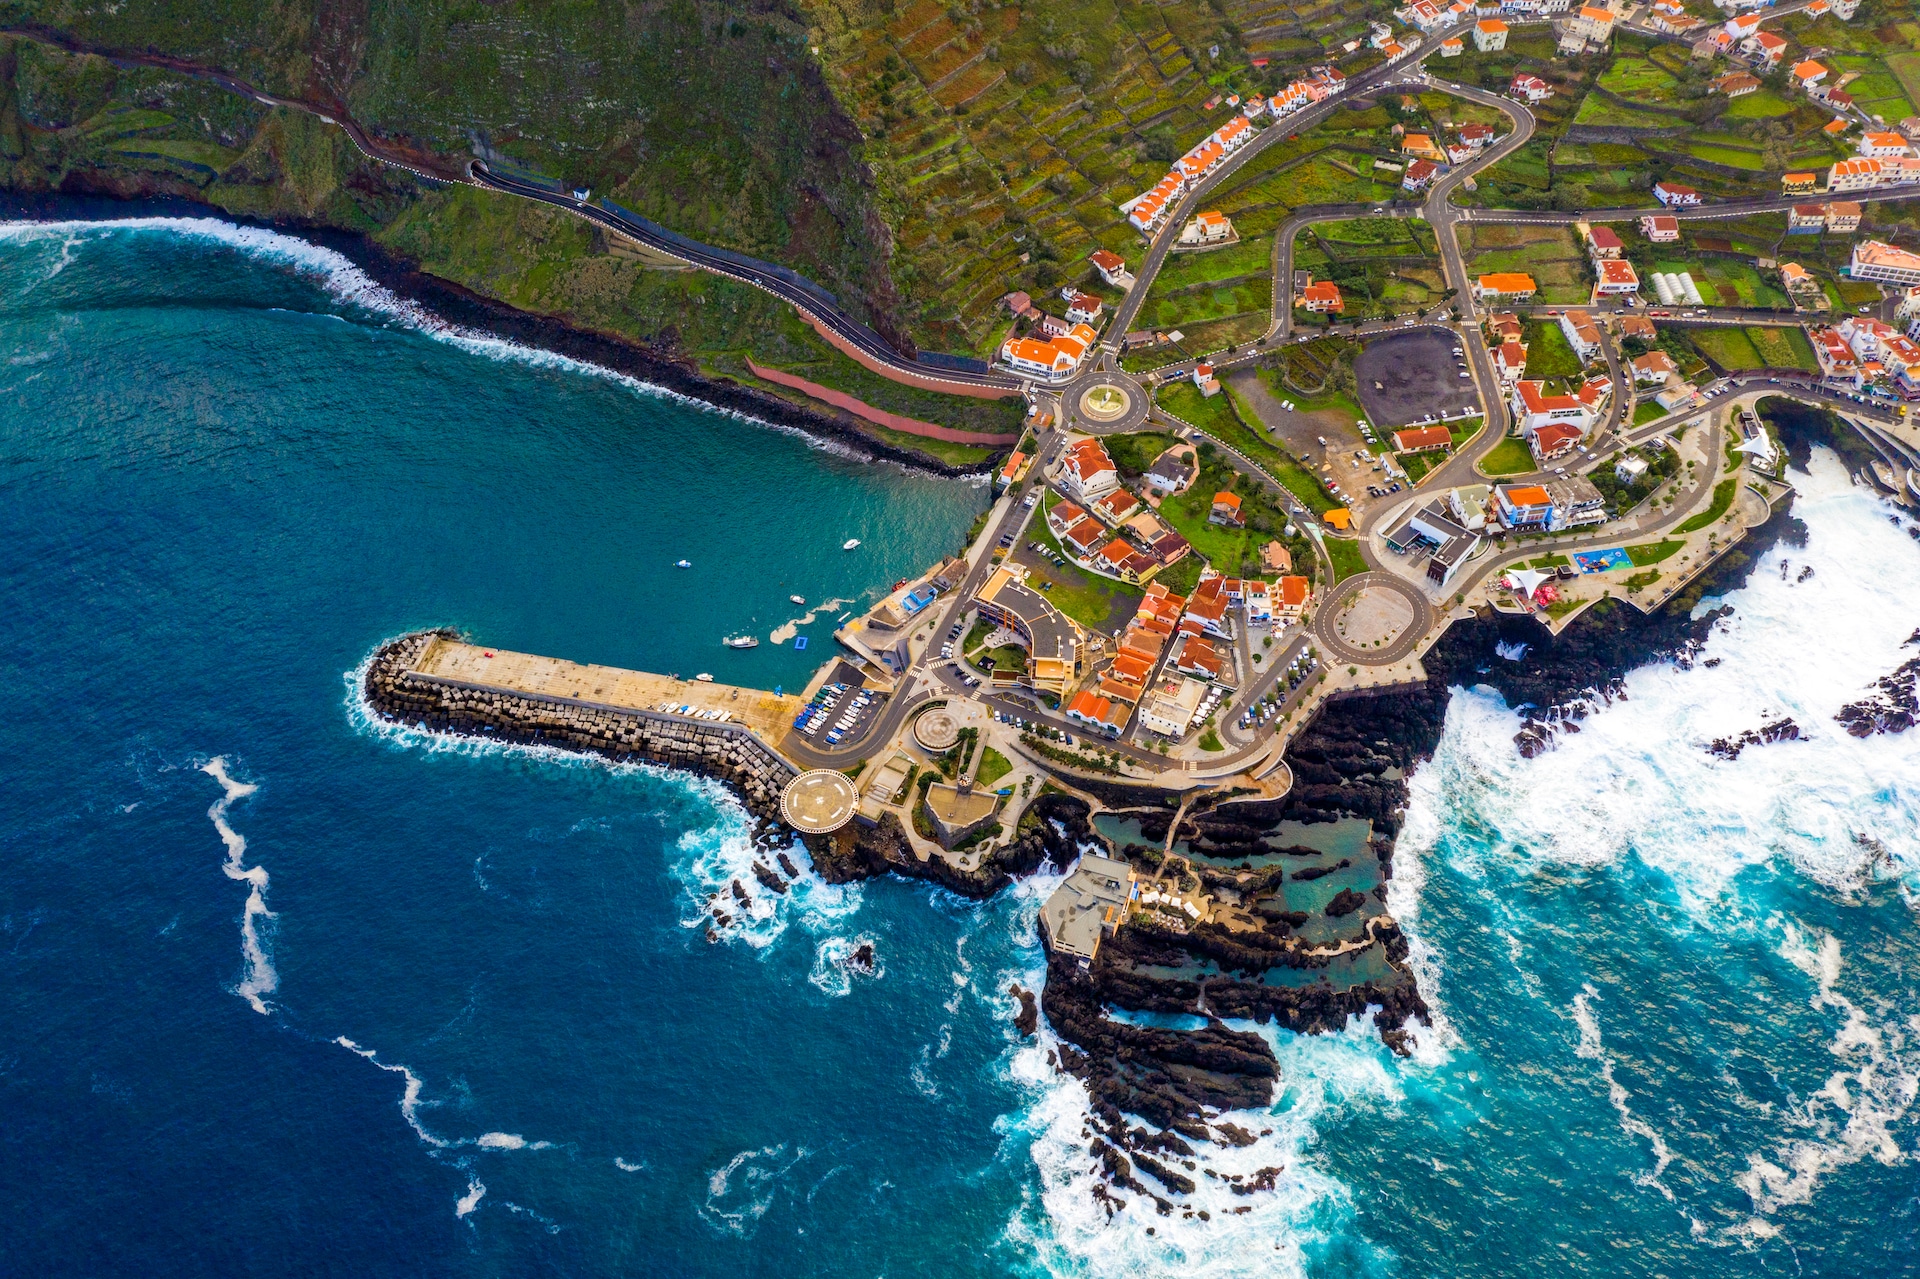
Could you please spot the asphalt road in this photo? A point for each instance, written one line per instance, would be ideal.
(1327, 615)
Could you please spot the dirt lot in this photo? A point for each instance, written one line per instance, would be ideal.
(1404, 377)
(1299, 434)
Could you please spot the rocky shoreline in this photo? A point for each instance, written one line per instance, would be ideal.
(465, 309)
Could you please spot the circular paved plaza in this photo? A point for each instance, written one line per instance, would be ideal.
(937, 730)
(1373, 619)
(818, 801)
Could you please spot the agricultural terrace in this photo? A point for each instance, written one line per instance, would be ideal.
(1003, 138)
(1384, 266)
(1755, 347)
(1550, 254)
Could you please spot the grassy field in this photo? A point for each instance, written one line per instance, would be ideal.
(1762, 104)
(1636, 78)
(1647, 411)
(1509, 457)
(1216, 417)
(1549, 355)
(1345, 556)
(1729, 348)
(1756, 348)
(1783, 348)
(1094, 602)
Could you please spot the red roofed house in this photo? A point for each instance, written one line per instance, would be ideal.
(1015, 468)
(1322, 297)
(1770, 48)
(1124, 562)
(1673, 194)
(1062, 516)
(1112, 268)
(1085, 537)
(1603, 243)
(1099, 713)
(1117, 507)
(1618, 278)
(1291, 596)
(1226, 510)
(1087, 472)
(1660, 228)
(1534, 408)
(1197, 656)
(1553, 440)
(1529, 88)
(1420, 439)
(1419, 174)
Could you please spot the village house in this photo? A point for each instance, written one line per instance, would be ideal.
(1504, 284)
(1737, 85)
(1617, 278)
(1878, 146)
(1556, 439)
(1843, 216)
(1291, 596)
(1637, 326)
(1800, 284)
(1419, 175)
(1086, 537)
(1510, 359)
(1674, 195)
(1583, 335)
(1112, 268)
(1211, 227)
(1117, 507)
(1087, 472)
(1018, 464)
(1660, 228)
(1420, 144)
(1808, 73)
(1322, 298)
(1103, 715)
(1171, 471)
(1063, 515)
(1835, 356)
(1806, 219)
(1593, 24)
(1082, 308)
(1534, 408)
(1798, 183)
(1655, 367)
(1226, 510)
(1603, 243)
(1873, 260)
(1489, 35)
(1452, 47)
(1420, 439)
(1529, 88)
(1767, 49)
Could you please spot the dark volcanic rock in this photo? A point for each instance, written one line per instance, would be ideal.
(1315, 872)
(765, 874)
(856, 851)
(1893, 706)
(1781, 730)
(1345, 902)
(1027, 1020)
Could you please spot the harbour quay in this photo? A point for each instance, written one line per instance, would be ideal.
(436, 681)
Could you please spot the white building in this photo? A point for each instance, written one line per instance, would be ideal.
(1873, 260)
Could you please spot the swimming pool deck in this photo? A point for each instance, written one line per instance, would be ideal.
(768, 715)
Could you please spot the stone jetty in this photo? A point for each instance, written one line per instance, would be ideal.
(435, 680)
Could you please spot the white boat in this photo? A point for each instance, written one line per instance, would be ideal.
(704, 678)
(849, 544)
(683, 563)
(741, 641)
(798, 599)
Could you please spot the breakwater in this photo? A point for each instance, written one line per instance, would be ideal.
(425, 680)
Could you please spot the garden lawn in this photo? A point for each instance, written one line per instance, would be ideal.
(1345, 556)
(1731, 349)
(1089, 599)
(1548, 353)
(1722, 499)
(1653, 552)
(1510, 456)
(1646, 411)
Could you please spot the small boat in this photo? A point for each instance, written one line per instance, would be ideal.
(741, 641)
(798, 599)
(849, 544)
(683, 563)
(704, 678)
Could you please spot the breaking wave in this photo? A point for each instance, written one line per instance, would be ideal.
(260, 979)
(353, 288)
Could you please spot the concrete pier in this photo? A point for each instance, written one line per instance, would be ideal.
(437, 681)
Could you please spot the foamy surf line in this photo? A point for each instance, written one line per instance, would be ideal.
(260, 980)
(349, 285)
(714, 855)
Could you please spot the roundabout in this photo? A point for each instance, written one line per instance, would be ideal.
(1109, 404)
(1373, 619)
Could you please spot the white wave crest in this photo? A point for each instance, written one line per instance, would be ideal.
(509, 1141)
(1637, 780)
(476, 1191)
(260, 980)
(350, 286)
(1591, 1049)
(1851, 1117)
(409, 1097)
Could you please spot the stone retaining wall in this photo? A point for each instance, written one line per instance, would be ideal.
(730, 753)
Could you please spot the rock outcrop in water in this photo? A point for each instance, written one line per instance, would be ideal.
(1781, 730)
(1052, 829)
(1893, 706)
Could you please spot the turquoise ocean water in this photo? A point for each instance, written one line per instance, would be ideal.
(285, 992)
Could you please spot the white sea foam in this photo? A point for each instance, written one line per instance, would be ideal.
(352, 287)
(830, 970)
(1851, 1117)
(476, 1191)
(624, 1166)
(708, 858)
(260, 979)
(1591, 1049)
(1637, 778)
(409, 1097)
(509, 1141)
(740, 1191)
(787, 630)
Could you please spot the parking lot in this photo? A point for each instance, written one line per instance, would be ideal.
(839, 712)
(1407, 377)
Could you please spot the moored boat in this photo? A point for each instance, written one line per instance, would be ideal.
(703, 678)
(741, 641)
(683, 563)
(849, 544)
(798, 599)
